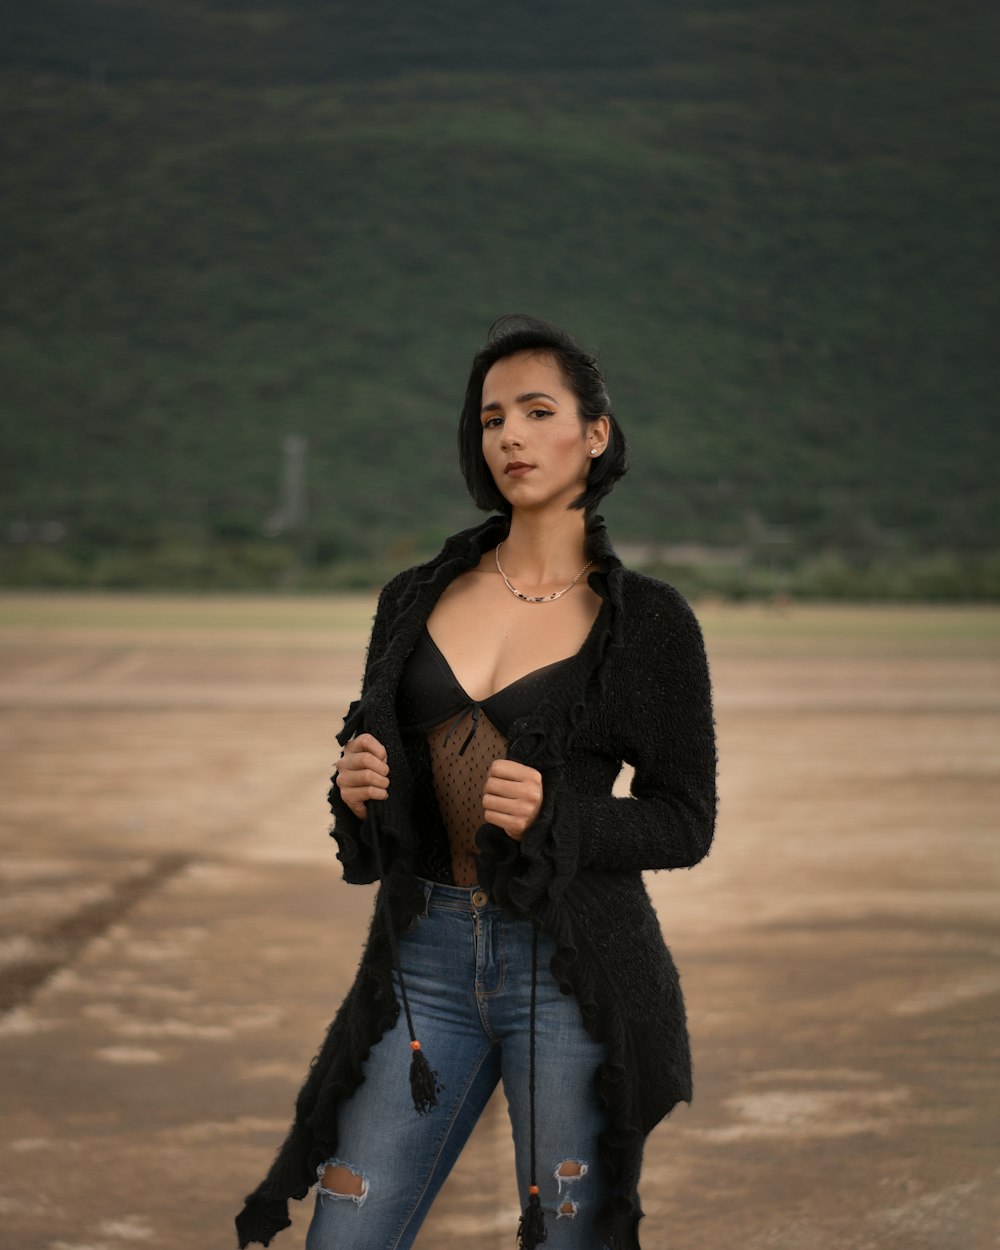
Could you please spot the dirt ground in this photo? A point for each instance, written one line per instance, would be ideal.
(174, 936)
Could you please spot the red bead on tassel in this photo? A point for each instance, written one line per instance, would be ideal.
(531, 1229)
(423, 1080)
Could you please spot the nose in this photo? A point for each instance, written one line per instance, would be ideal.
(512, 435)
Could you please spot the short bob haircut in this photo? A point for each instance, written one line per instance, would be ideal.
(514, 333)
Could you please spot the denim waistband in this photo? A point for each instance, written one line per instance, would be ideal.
(467, 898)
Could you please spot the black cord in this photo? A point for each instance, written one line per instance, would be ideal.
(531, 1231)
(423, 1079)
(531, 1044)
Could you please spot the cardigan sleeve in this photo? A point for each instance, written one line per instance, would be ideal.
(354, 854)
(660, 703)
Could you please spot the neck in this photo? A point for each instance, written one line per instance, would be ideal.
(544, 548)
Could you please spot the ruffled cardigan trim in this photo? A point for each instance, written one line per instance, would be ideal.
(528, 879)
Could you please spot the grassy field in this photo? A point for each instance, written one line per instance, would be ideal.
(341, 618)
(185, 613)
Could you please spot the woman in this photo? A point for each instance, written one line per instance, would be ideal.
(506, 682)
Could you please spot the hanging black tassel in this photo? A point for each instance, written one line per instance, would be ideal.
(531, 1229)
(423, 1080)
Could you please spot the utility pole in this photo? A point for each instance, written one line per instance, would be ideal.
(290, 514)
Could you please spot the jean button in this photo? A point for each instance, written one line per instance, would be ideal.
(480, 898)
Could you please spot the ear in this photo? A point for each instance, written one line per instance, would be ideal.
(598, 433)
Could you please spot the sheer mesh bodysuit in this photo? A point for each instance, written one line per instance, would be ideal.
(464, 737)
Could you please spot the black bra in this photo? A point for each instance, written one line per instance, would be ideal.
(430, 693)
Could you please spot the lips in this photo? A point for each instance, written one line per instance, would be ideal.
(517, 468)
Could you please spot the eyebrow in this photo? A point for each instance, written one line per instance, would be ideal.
(521, 399)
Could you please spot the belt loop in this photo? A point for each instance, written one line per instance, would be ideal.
(428, 888)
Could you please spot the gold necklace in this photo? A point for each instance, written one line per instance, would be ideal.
(537, 598)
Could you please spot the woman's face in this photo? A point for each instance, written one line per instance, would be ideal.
(534, 442)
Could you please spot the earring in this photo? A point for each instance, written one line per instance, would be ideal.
(593, 451)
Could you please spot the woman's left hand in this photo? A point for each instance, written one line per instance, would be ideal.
(512, 797)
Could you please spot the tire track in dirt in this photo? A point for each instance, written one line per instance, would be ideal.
(63, 941)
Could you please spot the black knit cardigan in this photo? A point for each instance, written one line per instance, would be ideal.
(637, 691)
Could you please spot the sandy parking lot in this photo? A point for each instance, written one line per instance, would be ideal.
(174, 936)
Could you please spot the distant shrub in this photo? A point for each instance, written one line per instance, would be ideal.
(262, 564)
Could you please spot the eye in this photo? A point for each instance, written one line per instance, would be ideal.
(540, 412)
(492, 423)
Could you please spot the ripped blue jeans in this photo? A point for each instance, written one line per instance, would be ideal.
(467, 968)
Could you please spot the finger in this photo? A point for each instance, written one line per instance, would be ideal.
(511, 770)
(358, 797)
(511, 827)
(361, 794)
(510, 806)
(368, 742)
(509, 816)
(362, 761)
(363, 779)
(529, 791)
(498, 815)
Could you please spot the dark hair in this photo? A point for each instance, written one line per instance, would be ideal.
(513, 333)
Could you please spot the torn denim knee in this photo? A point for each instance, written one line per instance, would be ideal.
(325, 1192)
(568, 1207)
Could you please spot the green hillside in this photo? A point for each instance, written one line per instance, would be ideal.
(225, 222)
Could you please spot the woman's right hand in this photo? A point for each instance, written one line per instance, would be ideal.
(363, 773)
